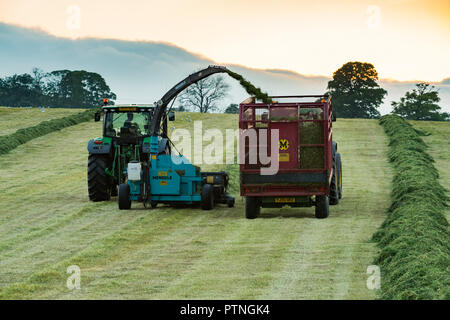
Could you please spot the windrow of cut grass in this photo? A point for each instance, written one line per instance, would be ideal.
(21, 136)
(13, 119)
(414, 239)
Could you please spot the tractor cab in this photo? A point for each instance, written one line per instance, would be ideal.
(127, 121)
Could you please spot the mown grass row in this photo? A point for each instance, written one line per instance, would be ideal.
(21, 136)
(414, 239)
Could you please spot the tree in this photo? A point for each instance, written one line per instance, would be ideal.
(203, 95)
(19, 90)
(232, 108)
(62, 88)
(83, 89)
(355, 91)
(420, 104)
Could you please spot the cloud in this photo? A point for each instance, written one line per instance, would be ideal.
(141, 72)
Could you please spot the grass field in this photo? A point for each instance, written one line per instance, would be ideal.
(47, 224)
(12, 119)
(439, 148)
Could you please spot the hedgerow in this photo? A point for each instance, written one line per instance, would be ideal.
(414, 239)
(21, 136)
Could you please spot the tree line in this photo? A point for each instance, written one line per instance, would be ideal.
(60, 88)
(354, 90)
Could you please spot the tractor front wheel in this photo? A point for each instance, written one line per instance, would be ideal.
(322, 207)
(252, 207)
(99, 183)
(124, 196)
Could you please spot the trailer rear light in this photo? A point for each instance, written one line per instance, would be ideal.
(98, 141)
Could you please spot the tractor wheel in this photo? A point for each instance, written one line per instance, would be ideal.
(252, 207)
(334, 189)
(207, 196)
(339, 169)
(124, 196)
(99, 183)
(322, 207)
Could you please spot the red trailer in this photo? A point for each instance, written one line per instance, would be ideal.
(309, 166)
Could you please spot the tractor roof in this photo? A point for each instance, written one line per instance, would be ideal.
(129, 107)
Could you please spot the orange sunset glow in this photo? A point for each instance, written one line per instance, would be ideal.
(404, 39)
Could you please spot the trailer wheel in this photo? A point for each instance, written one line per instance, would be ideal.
(99, 184)
(322, 207)
(334, 189)
(124, 197)
(252, 207)
(207, 196)
(339, 166)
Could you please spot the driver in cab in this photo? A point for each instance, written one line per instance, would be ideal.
(130, 125)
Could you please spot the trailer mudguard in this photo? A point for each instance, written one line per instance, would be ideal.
(99, 146)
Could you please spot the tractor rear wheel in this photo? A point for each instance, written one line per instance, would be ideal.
(124, 196)
(252, 207)
(322, 207)
(99, 183)
(207, 196)
(339, 169)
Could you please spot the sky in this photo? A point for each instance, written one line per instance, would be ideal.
(406, 40)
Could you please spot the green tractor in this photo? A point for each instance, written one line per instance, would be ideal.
(126, 138)
(133, 159)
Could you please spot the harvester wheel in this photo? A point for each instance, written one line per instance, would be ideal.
(252, 207)
(99, 183)
(230, 202)
(124, 196)
(207, 196)
(334, 189)
(339, 166)
(322, 207)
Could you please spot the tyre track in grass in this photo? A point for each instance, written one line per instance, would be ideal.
(329, 257)
(41, 224)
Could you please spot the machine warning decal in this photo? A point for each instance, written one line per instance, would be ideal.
(163, 183)
(283, 144)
